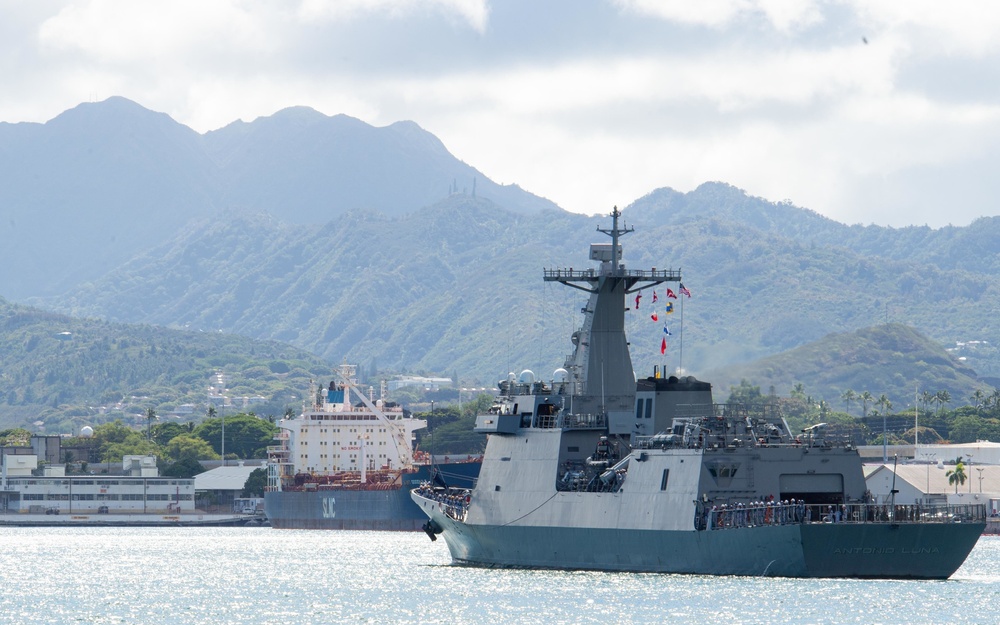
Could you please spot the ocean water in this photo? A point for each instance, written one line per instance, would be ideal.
(266, 576)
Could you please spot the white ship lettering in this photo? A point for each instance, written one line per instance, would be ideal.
(884, 550)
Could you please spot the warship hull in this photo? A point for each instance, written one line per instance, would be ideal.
(900, 551)
(361, 509)
(596, 469)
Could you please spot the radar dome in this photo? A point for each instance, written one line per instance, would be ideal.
(527, 377)
(511, 376)
(559, 375)
(86, 431)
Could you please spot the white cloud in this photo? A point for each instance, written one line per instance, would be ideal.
(776, 96)
(961, 27)
(790, 15)
(714, 13)
(475, 13)
(136, 33)
(783, 15)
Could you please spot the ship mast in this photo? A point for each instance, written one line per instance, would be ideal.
(614, 233)
(600, 367)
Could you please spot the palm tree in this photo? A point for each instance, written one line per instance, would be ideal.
(977, 398)
(150, 415)
(956, 476)
(886, 406)
(884, 403)
(865, 397)
(799, 391)
(927, 398)
(848, 396)
(933, 400)
(943, 397)
(993, 401)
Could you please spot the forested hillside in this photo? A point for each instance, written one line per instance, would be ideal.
(377, 246)
(892, 360)
(59, 372)
(456, 287)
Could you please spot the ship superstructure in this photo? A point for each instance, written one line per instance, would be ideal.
(345, 460)
(596, 470)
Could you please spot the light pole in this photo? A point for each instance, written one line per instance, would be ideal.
(429, 425)
(930, 459)
(885, 439)
(980, 469)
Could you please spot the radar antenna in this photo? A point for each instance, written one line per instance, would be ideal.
(614, 233)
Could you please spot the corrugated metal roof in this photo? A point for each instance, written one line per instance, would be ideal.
(224, 478)
(930, 478)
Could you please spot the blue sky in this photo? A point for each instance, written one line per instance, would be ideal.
(588, 103)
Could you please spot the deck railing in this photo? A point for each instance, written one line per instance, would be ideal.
(782, 513)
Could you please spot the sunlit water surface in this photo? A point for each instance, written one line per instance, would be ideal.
(261, 575)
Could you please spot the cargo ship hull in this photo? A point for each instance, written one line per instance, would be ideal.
(333, 509)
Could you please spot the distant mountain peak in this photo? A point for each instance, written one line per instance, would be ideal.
(114, 110)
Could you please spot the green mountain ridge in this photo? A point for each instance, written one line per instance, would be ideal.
(891, 359)
(65, 372)
(377, 245)
(456, 287)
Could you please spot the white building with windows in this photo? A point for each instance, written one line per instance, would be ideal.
(140, 490)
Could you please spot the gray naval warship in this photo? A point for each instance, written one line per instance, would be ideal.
(597, 470)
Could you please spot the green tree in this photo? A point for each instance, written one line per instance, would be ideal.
(977, 398)
(993, 401)
(943, 397)
(798, 391)
(927, 398)
(865, 398)
(163, 432)
(115, 440)
(184, 468)
(479, 405)
(745, 393)
(135, 445)
(189, 447)
(965, 429)
(848, 398)
(884, 403)
(254, 486)
(112, 432)
(150, 417)
(450, 432)
(957, 475)
(246, 435)
(15, 437)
